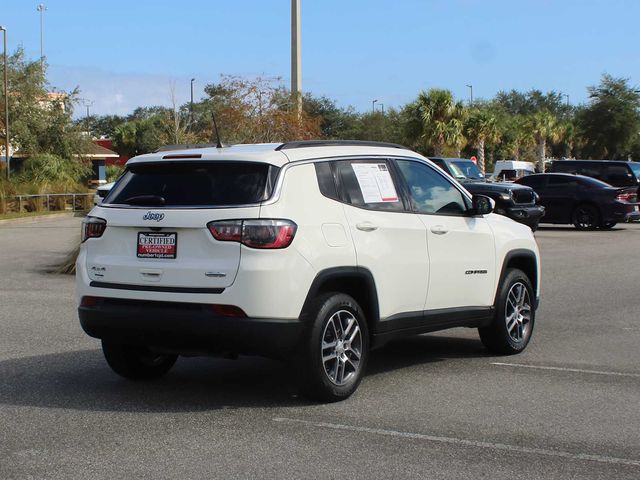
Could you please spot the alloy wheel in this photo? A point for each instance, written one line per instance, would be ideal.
(341, 347)
(518, 312)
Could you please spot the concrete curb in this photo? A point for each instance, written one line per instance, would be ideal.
(37, 218)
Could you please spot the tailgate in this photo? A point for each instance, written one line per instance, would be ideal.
(164, 248)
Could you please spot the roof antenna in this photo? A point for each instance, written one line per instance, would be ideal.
(215, 126)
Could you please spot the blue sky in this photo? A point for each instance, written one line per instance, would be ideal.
(122, 54)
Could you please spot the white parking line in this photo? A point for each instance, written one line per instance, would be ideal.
(563, 369)
(465, 442)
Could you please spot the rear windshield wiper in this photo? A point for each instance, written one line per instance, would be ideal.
(145, 200)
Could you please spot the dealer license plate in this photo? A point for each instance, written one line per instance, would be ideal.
(157, 244)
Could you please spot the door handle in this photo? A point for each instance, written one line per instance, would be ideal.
(366, 226)
(439, 229)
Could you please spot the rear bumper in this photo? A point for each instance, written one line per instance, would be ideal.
(187, 328)
(625, 213)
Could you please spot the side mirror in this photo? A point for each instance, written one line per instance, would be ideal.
(481, 205)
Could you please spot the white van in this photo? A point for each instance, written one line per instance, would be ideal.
(510, 170)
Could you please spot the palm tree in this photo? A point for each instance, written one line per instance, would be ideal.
(441, 119)
(481, 128)
(543, 126)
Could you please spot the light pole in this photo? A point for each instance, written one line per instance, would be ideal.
(382, 107)
(296, 56)
(565, 95)
(6, 102)
(42, 8)
(191, 104)
(471, 94)
(373, 105)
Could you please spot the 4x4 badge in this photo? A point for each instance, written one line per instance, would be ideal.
(153, 216)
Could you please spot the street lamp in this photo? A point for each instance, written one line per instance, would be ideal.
(41, 8)
(6, 101)
(373, 105)
(565, 95)
(471, 94)
(382, 107)
(191, 104)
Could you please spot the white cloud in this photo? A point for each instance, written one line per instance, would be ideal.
(119, 93)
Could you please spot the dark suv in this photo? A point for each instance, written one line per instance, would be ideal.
(617, 173)
(512, 200)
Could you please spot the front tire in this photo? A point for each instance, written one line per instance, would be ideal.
(511, 329)
(135, 362)
(608, 225)
(334, 353)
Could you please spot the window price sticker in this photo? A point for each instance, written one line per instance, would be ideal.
(375, 182)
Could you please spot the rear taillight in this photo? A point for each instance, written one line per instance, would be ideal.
(265, 234)
(627, 197)
(93, 227)
(226, 230)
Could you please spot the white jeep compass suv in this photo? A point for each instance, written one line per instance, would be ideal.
(315, 252)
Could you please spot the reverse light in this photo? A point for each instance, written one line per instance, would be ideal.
(93, 227)
(263, 234)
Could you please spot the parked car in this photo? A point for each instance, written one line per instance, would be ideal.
(510, 170)
(514, 201)
(585, 202)
(314, 252)
(614, 172)
(102, 192)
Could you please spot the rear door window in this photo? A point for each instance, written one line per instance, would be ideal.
(194, 184)
(561, 182)
(619, 175)
(369, 184)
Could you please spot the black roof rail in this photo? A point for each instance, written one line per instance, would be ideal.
(168, 148)
(336, 143)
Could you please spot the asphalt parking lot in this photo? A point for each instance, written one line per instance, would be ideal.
(433, 406)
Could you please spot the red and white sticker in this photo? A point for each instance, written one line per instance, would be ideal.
(375, 182)
(157, 244)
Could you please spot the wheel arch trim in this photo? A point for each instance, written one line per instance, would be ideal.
(337, 274)
(513, 259)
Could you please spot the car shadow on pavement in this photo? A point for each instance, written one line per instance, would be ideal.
(571, 228)
(421, 349)
(82, 380)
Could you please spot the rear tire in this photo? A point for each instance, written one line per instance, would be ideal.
(586, 217)
(333, 355)
(511, 329)
(136, 362)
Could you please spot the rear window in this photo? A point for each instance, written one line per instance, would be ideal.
(194, 184)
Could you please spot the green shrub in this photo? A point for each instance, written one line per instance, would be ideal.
(53, 174)
(113, 172)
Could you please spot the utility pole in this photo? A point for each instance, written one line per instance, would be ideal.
(471, 94)
(42, 8)
(296, 56)
(6, 103)
(191, 104)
